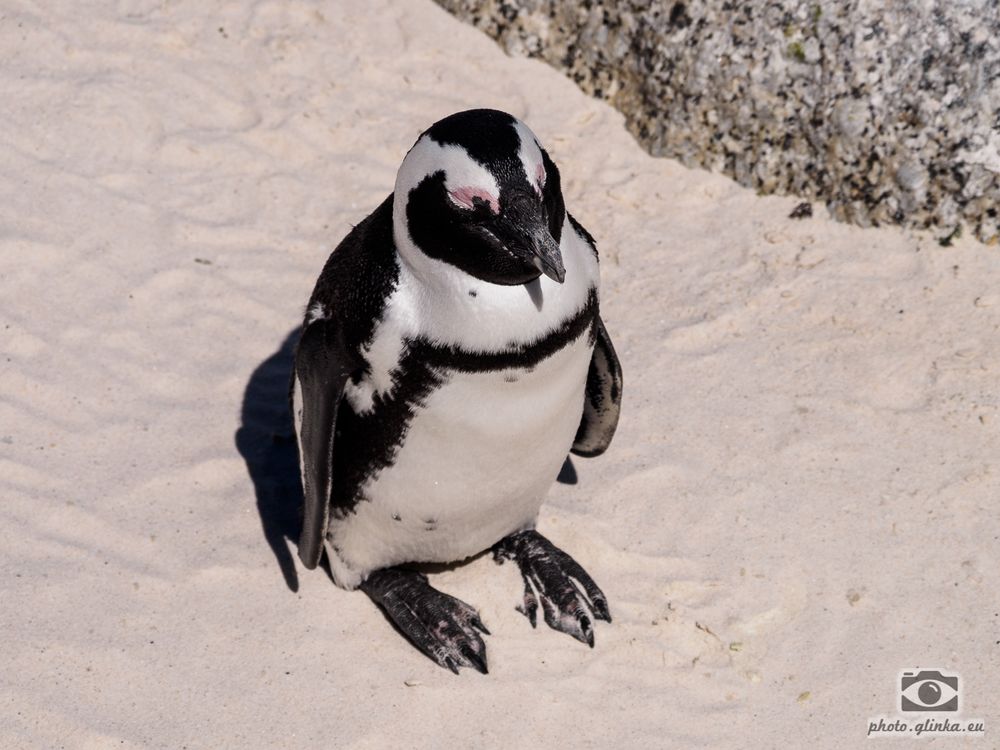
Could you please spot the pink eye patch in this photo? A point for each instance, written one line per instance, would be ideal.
(540, 177)
(464, 196)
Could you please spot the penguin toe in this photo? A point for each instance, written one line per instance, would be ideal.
(529, 607)
(566, 611)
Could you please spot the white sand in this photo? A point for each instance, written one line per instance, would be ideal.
(800, 501)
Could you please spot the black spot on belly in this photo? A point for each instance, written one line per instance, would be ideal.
(472, 292)
(430, 524)
(396, 517)
(510, 378)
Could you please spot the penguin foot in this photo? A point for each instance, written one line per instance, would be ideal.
(441, 626)
(569, 596)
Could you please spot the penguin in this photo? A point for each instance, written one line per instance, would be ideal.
(451, 356)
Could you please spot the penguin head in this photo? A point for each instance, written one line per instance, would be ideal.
(478, 192)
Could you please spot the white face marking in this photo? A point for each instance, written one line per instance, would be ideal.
(531, 157)
(465, 179)
(464, 176)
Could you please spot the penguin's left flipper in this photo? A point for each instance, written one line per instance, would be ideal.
(603, 399)
(443, 627)
(568, 594)
(322, 367)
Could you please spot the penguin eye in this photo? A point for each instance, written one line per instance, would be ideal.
(474, 199)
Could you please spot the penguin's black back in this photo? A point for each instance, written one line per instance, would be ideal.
(359, 276)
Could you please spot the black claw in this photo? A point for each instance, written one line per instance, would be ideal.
(529, 611)
(588, 631)
(601, 610)
(477, 661)
(450, 663)
(478, 624)
(533, 615)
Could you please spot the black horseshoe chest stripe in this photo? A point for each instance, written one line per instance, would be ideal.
(514, 357)
(378, 434)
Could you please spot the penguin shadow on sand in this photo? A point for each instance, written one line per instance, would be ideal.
(266, 440)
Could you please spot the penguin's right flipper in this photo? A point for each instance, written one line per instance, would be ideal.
(322, 367)
(443, 627)
(603, 400)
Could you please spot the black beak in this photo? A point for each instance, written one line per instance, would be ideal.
(546, 255)
(523, 229)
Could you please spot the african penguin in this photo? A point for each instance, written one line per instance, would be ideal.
(451, 356)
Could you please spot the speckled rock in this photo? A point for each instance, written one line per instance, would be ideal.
(888, 112)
